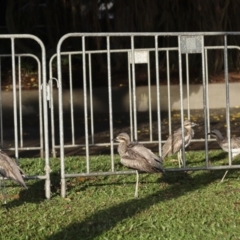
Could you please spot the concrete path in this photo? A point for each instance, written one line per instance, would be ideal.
(120, 96)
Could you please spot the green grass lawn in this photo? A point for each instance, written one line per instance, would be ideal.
(176, 205)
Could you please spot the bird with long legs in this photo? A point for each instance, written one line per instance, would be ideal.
(10, 169)
(174, 142)
(223, 143)
(135, 156)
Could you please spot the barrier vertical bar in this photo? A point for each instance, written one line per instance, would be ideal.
(227, 100)
(169, 95)
(91, 96)
(20, 102)
(41, 110)
(51, 106)
(150, 99)
(181, 98)
(187, 75)
(71, 98)
(134, 90)
(158, 95)
(207, 90)
(45, 122)
(61, 127)
(110, 102)
(85, 103)
(1, 118)
(130, 98)
(205, 102)
(14, 99)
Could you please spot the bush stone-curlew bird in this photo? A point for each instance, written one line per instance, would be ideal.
(174, 142)
(135, 156)
(223, 143)
(9, 169)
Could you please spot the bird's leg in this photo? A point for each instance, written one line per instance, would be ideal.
(224, 176)
(1, 186)
(178, 158)
(136, 188)
(233, 156)
(3, 190)
(5, 194)
(180, 161)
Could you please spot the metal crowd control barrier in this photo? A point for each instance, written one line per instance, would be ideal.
(187, 44)
(14, 135)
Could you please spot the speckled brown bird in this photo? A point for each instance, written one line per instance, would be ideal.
(135, 156)
(9, 169)
(174, 142)
(223, 143)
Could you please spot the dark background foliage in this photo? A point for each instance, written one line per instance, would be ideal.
(51, 19)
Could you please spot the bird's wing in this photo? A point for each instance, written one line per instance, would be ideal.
(145, 152)
(167, 147)
(5, 164)
(173, 143)
(223, 143)
(187, 137)
(235, 143)
(141, 158)
(10, 169)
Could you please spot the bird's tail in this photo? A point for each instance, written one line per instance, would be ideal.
(159, 166)
(21, 182)
(17, 176)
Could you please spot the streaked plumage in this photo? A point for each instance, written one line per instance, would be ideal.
(223, 143)
(174, 142)
(134, 155)
(9, 169)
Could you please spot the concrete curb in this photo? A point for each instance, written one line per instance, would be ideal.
(120, 98)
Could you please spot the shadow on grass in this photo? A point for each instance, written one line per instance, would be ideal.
(221, 155)
(34, 194)
(106, 219)
(212, 159)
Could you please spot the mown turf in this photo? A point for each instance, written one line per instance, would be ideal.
(190, 205)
